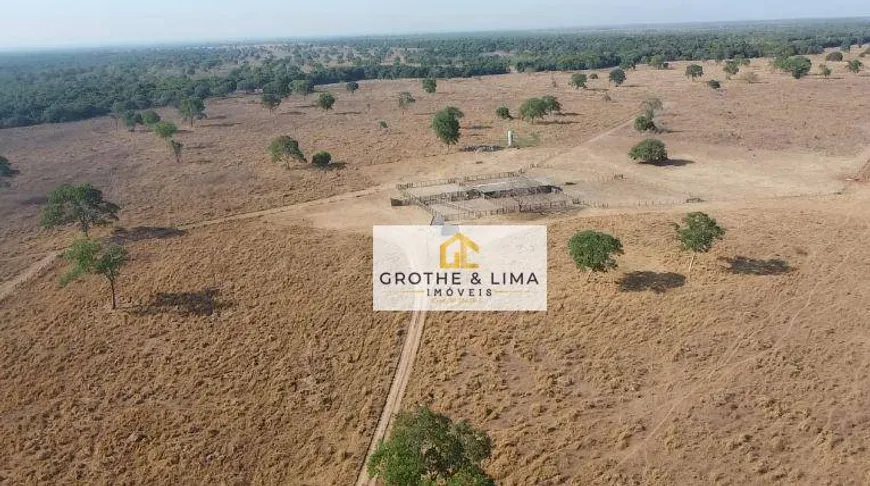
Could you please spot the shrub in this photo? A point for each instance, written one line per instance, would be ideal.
(643, 123)
(352, 86)
(321, 159)
(382, 124)
(430, 85)
(715, 84)
(578, 80)
(285, 148)
(649, 150)
(150, 117)
(504, 113)
(834, 57)
(694, 71)
(617, 76)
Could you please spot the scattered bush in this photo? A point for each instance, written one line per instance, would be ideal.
(382, 124)
(430, 85)
(834, 57)
(578, 80)
(284, 149)
(325, 101)
(321, 159)
(150, 118)
(694, 71)
(617, 76)
(854, 66)
(715, 84)
(352, 86)
(405, 100)
(270, 101)
(649, 151)
(503, 113)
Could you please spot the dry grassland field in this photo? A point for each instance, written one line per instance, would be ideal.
(245, 348)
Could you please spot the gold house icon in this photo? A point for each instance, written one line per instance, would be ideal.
(458, 247)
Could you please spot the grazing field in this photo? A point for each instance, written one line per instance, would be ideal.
(751, 369)
(240, 353)
(245, 349)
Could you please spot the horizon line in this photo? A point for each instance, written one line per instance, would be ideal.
(221, 42)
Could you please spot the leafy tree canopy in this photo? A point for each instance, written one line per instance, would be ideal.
(503, 112)
(430, 85)
(699, 232)
(617, 76)
(325, 101)
(694, 71)
(270, 101)
(192, 109)
(426, 448)
(89, 257)
(82, 204)
(594, 251)
(445, 123)
(649, 150)
(854, 66)
(578, 80)
(533, 108)
(150, 117)
(165, 129)
(284, 149)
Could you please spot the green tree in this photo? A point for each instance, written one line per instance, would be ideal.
(533, 108)
(552, 104)
(658, 62)
(325, 101)
(455, 112)
(578, 80)
(192, 109)
(854, 66)
(825, 70)
(594, 252)
(714, 84)
(165, 129)
(698, 234)
(270, 101)
(284, 149)
(644, 123)
(649, 151)
(89, 257)
(617, 76)
(131, 119)
(6, 170)
(150, 118)
(405, 100)
(834, 57)
(504, 113)
(430, 85)
(694, 71)
(446, 126)
(82, 204)
(352, 86)
(321, 159)
(798, 66)
(731, 68)
(303, 86)
(426, 448)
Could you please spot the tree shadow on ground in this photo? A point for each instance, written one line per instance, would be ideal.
(654, 281)
(478, 127)
(348, 113)
(201, 303)
(222, 124)
(558, 122)
(671, 163)
(292, 113)
(140, 233)
(742, 265)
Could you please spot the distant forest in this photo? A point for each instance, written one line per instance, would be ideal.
(61, 86)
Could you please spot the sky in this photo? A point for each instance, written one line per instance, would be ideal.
(75, 23)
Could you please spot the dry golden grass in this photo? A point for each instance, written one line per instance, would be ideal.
(733, 378)
(239, 354)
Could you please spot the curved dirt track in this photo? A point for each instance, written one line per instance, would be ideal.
(397, 389)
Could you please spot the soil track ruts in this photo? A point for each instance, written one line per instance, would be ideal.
(397, 389)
